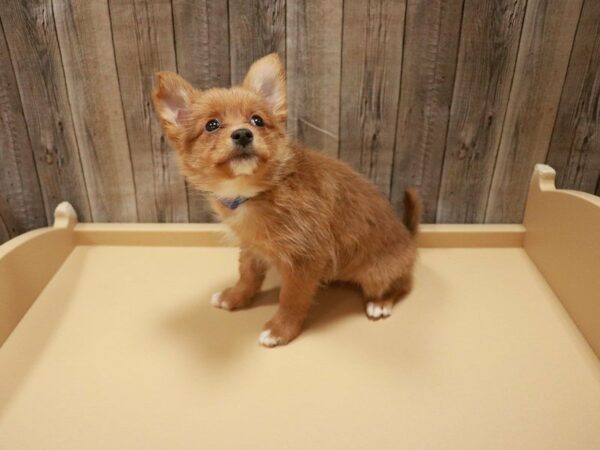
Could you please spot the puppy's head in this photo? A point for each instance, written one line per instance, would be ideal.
(229, 141)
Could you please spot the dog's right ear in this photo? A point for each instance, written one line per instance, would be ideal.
(172, 98)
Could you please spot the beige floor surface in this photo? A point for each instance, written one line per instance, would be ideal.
(123, 351)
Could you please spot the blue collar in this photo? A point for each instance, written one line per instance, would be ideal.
(233, 203)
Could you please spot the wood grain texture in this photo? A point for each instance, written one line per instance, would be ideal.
(575, 146)
(314, 51)
(85, 41)
(10, 226)
(202, 49)
(430, 54)
(202, 42)
(371, 71)
(39, 72)
(548, 32)
(257, 28)
(488, 49)
(21, 203)
(143, 41)
(4, 233)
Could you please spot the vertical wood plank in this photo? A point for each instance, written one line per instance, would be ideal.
(4, 233)
(202, 50)
(144, 44)
(257, 29)
(371, 71)
(314, 51)
(6, 219)
(432, 33)
(21, 203)
(546, 41)
(85, 42)
(202, 42)
(38, 69)
(488, 49)
(575, 146)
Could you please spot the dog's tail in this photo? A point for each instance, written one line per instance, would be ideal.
(412, 211)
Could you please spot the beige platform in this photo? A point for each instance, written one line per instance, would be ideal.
(110, 343)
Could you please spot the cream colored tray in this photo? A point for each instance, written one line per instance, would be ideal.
(109, 342)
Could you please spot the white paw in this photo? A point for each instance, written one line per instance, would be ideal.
(215, 300)
(268, 340)
(379, 310)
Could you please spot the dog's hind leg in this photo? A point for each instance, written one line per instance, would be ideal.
(381, 296)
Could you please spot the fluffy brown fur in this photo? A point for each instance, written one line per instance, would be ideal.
(310, 216)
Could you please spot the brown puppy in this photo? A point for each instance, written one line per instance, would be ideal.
(310, 216)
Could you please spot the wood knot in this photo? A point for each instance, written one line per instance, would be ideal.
(49, 156)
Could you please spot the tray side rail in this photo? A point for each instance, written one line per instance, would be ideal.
(28, 263)
(562, 237)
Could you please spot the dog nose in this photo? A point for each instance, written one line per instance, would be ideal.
(242, 136)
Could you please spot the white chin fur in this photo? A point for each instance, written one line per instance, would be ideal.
(240, 184)
(244, 166)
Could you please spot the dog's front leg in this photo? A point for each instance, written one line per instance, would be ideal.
(252, 274)
(298, 287)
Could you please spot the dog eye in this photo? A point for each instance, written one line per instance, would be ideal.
(212, 125)
(257, 121)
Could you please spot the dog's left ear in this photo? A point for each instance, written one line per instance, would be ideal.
(266, 77)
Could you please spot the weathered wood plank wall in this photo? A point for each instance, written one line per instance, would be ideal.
(459, 98)
(21, 203)
(487, 54)
(371, 71)
(31, 35)
(143, 41)
(201, 41)
(575, 146)
(314, 52)
(432, 31)
(544, 50)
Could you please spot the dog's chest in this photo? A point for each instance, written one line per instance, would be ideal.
(249, 229)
